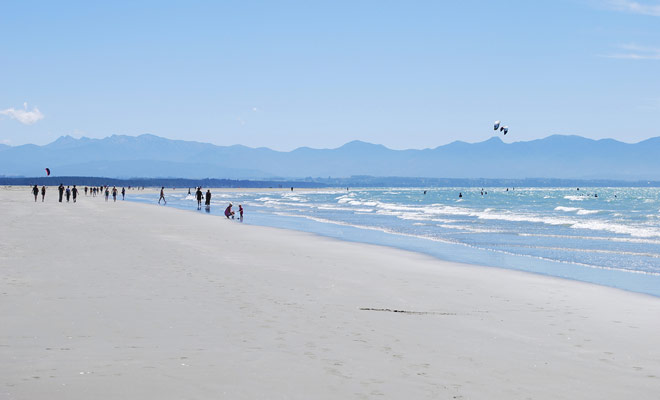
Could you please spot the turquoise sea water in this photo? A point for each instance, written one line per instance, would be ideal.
(607, 236)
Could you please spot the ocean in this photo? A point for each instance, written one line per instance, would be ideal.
(605, 236)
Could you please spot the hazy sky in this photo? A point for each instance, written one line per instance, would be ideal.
(284, 74)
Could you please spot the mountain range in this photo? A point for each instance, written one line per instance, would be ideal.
(149, 156)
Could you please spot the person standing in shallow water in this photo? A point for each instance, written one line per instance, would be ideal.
(162, 195)
(208, 198)
(123, 193)
(198, 195)
(43, 193)
(35, 192)
(240, 212)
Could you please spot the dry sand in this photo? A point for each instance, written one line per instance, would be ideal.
(130, 301)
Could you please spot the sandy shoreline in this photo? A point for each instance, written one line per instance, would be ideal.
(124, 300)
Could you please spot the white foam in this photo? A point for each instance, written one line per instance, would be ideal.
(567, 209)
(588, 212)
(574, 198)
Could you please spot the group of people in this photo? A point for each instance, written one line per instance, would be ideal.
(72, 192)
(200, 195)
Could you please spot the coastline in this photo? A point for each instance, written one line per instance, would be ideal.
(130, 300)
(442, 247)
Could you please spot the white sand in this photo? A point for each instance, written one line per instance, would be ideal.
(128, 301)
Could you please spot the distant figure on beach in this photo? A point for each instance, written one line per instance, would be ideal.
(198, 195)
(107, 193)
(240, 212)
(61, 190)
(114, 193)
(162, 195)
(425, 192)
(74, 192)
(35, 192)
(208, 198)
(43, 193)
(188, 190)
(596, 195)
(228, 212)
(460, 195)
(123, 193)
(68, 194)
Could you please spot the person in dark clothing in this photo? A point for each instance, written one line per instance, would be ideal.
(123, 193)
(198, 195)
(61, 190)
(68, 194)
(208, 198)
(114, 194)
(43, 193)
(107, 193)
(74, 192)
(85, 190)
(35, 192)
(240, 212)
(162, 195)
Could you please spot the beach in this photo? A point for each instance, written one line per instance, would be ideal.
(126, 300)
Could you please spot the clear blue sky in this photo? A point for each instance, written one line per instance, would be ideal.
(284, 74)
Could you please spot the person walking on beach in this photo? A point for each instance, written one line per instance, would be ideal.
(123, 193)
(198, 195)
(43, 193)
(74, 192)
(68, 194)
(114, 194)
(61, 190)
(228, 212)
(35, 192)
(240, 212)
(208, 198)
(162, 195)
(107, 193)
(85, 191)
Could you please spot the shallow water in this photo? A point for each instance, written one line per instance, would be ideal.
(608, 236)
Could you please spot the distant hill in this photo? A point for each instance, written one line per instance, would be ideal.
(149, 156)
